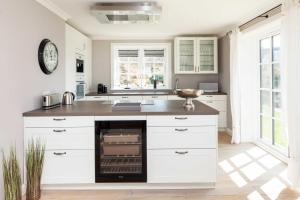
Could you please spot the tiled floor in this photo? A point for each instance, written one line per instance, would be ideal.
(244, 172)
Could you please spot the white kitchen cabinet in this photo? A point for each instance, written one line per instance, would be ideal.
(69, 167)
(155, 97)
(70, 147)
(219, 102)
(182, 166)
(96, 98)
(126, 98)
(182, 149)
(196, 55)
(77, 44)
(181, 137)
(63, 138)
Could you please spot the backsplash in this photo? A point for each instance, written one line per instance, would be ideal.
(101, 67)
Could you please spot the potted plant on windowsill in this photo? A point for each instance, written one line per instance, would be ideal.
(34, 164)
(11, 177)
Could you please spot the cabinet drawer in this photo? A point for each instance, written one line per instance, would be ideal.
(62, 138)
(69, 166)
(212, 97)
(182, 166)
(182, 120)
(155, 97)
(181, 137)
(96, 98)
(59, 121)
(129, 98)
(218, 105)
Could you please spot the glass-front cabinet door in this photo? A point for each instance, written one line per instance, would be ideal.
(196, 55)
(185, 55)
(207, 55)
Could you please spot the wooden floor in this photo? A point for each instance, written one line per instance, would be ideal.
(244, 172)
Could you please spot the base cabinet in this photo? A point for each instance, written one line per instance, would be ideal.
(182, 166)
(69, 167)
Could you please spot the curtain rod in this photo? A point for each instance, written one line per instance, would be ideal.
(270, 13)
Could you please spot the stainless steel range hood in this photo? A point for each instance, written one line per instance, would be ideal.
(127, 12)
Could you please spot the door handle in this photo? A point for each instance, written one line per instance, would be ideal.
(59, 119)
(181, 152)
(59, 131)
(60, 153)
(181, 118)
(181, 130)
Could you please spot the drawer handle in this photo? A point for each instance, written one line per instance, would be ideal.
(209, 101)
(59, 119)
(209, 96)
(59, 131)
(181, 118)
(97, 97)
(124, 97)
(181, 130)
(181, 152)
(154, 97)
(60, 154)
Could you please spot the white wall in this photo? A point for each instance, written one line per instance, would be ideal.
(24, 23)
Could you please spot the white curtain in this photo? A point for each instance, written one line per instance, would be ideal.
(235, 96)
(290, 63)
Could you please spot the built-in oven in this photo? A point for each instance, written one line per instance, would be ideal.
(120, 151)
(79, 64)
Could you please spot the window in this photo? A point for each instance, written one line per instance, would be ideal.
(137, 66)
(271, 123)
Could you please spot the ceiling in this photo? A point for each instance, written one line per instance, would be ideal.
(179, 17)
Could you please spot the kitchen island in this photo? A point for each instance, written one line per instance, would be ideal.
(180, 146)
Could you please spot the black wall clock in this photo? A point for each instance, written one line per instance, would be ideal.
(48, 56)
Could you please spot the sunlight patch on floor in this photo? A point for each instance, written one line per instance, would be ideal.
(273, 188)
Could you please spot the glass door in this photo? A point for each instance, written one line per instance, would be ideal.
(121, 151)
(206, 55)
(271, 121)
(186, 56)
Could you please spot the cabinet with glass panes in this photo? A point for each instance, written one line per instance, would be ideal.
(196, 55)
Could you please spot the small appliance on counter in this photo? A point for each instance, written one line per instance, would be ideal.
(101, 88)
(68, 98)
(50, 101)
(208, 87)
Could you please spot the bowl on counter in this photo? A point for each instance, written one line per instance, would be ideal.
(189, 95)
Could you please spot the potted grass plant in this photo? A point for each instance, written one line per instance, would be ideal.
(34, 167)
(11, 177)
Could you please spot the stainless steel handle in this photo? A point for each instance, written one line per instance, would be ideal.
(181, 130)
(59, 131)
(181, 152)
(209, 96)
(181, 118)
(97, 97)
(124, 97)
(59, 119)
(60, 154)
(154, 97)
(209, 101)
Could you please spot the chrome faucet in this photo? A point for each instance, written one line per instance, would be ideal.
(176, 86)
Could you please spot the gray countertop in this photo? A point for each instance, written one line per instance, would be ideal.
(104, 108)
(144, 93)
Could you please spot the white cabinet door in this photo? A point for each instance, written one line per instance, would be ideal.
(62, 138)
(69, 167)
(181, 137)
(59, 121)
(126, 98)
(182, 166)
(185, 55)
(155, 97)
(182, 120)
(207, 55)
(96, 98)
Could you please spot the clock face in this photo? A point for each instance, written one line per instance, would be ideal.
(48, 56)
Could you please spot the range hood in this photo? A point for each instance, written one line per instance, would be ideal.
(127, 12)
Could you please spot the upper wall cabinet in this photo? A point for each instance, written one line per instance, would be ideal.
(196, 55)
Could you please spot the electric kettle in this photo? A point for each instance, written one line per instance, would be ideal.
(68, 98)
